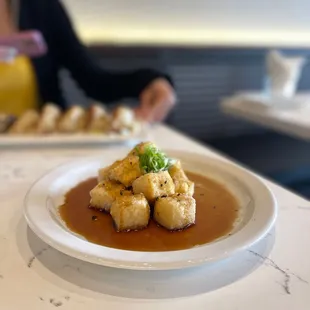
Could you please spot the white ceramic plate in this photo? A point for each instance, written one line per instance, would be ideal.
(258, 213)
(69, 139)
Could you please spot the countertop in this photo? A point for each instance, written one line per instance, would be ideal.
(273, 274)
(293, 121)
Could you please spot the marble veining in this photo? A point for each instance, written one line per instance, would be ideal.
(33, 258)
(285, 272)
(77, 269)
(55, 303)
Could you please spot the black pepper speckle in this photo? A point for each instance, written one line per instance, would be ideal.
(161, 185)
(94, 218)
(166, 182)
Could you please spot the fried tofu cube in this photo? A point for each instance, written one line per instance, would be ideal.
(182, 184)
(175, 212)
(126, 171)
(104, 194)
(103, 173)
(153, 185)
(176, 171)
(130, 212)
(139, 148)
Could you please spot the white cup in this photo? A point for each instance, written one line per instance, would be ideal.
(283, 74)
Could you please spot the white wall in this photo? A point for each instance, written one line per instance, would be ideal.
(218, 22)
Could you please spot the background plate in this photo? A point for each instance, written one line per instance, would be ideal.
(72, 139)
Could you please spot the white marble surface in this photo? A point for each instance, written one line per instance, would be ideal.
(293, 122)
(274, 274)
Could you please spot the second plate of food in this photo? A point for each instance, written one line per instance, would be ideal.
(150, 210)
(75, 126)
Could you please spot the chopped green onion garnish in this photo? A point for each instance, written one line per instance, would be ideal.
(153, 160)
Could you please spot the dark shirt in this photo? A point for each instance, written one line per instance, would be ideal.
(65, 51)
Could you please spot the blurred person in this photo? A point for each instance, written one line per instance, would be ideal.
(26, 82)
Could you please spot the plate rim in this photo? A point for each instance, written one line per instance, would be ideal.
(125, 264)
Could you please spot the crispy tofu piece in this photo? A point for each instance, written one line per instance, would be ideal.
(130, 212)
(105, 193)
(126, 171)
(103, 173)
(140, 147)
(153, 185)
(182, 184)
(175, 212)
(176, 171)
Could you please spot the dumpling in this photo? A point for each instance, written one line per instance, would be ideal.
(73, 120)
(49, 119)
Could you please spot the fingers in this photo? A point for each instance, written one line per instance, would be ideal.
(156, 102)
(146, 100)
(160, 107)
(160, 110)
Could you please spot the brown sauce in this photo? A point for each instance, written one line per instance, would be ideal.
(216, 212)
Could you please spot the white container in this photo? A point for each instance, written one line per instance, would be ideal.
(283, 74)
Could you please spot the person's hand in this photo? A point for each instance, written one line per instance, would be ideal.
(156, 101)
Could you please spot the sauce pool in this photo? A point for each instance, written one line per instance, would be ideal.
(216, 212)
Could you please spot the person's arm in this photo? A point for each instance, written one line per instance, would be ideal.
(98, 83)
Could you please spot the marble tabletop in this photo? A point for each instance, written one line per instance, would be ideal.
(273, 274)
